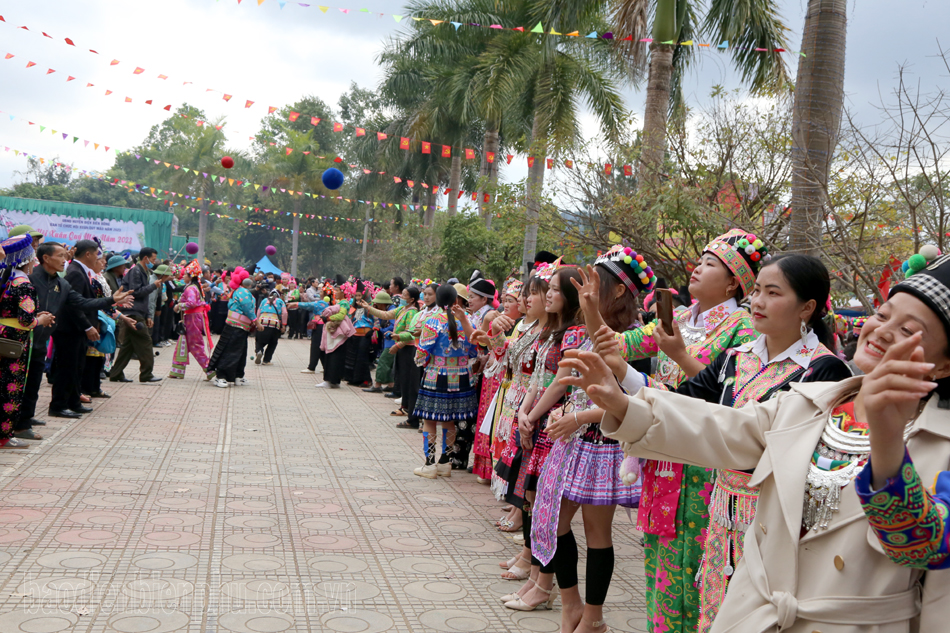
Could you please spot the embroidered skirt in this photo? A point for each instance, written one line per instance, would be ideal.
(731, 510)
(442, 405)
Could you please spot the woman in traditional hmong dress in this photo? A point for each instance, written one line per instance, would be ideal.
(674, 498)
(545, 394)
(194, 318)
(492, 380)
(520, 356)
(788, 305)
(18, 317)
(583, 468)
(446, 396)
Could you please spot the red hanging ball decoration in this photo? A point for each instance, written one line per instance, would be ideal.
(227, 162)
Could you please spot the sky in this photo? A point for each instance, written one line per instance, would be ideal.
(273, 56)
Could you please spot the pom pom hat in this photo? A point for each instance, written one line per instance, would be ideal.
(630, 268)
(931, 284)
(742, 253)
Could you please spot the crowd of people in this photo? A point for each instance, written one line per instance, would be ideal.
(775, 452)
(771, 447)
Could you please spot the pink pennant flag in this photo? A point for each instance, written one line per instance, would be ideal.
(138, 71)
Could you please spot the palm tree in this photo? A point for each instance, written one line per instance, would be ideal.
(816, 117)
(740, 26)
(200, 150)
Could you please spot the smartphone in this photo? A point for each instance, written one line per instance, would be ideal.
(664, 309)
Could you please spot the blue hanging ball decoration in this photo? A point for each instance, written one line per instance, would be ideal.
(332, 178)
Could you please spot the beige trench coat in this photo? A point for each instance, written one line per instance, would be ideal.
(833, 581)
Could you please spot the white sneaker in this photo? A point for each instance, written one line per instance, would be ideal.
(323, 385)
(444, 470)
(307, 371)
(240, 382)
(221, 382)
(16, 443)
(429, 472)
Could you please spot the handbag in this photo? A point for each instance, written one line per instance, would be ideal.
(10, 348)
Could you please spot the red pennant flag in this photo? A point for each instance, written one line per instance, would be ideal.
(550, 162)
(474, 195)
(114, 62)
(360, 131)
(138, 71)
(248, 104)
(469, 154)
(447, 191)
(627, 170)
(168, 107)
(69, 41)
(271, 109)
(289, 151)
(403, 142)
(530, 161)
(314, 120)
(508, 157)
(9, 56)
(128, 100)
(293, 116)
(30, 64)
(569, 164)
(461, 193)
(608, 169)
(446, 151)
(397, 179)
(149, 102)
(486, 198)
(380, 136)
(163, 76)
(426, 147)
(337, 127)
(227, 97)
(411, 184)
(70, 78)
(108, 92)
(520, 29)
(490, 157)
(337, 160)
(50, 71)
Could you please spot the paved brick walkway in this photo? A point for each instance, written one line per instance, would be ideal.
(267, 508)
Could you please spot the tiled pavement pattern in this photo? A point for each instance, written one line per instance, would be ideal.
(266, 508)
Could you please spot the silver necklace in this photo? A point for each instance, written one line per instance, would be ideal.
(823, 487)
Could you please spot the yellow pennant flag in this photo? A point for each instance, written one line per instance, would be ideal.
(324, 9)
(167, 164)
(231, 181)
(257, 186)
(260, 2)
(687, 43)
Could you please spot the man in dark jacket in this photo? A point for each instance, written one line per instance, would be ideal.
(137, 339)
(76, 328)
(53, 295)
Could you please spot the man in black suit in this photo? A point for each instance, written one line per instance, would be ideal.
(77, 327)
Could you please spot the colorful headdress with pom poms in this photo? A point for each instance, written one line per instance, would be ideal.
(916, 263)
(545, 271)
(742, 253)
(626, 265)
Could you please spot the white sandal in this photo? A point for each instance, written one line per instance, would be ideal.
(520, 605)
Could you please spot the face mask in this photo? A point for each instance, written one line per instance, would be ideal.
(150, 264)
